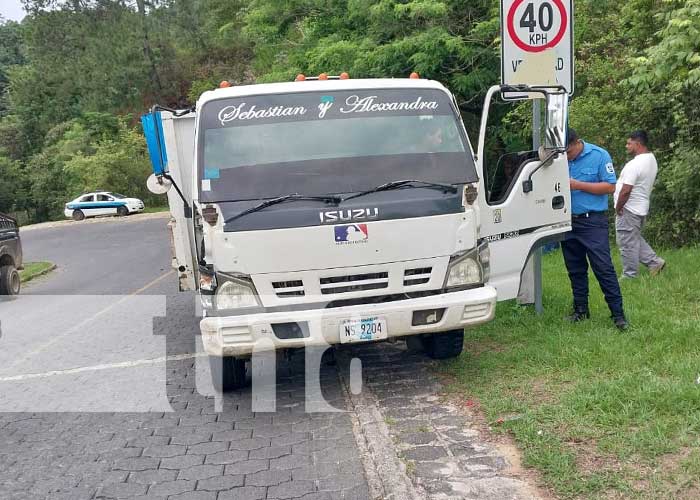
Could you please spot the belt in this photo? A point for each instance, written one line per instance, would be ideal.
(586, 215)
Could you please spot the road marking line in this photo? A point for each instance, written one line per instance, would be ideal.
(88, 320)
(110, 366)
(149, 285)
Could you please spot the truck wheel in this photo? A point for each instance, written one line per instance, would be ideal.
(415, 343)
(78, 215)
(445, 345)
(122, 211)
(328, 358)
(227, 373)
(9, 280)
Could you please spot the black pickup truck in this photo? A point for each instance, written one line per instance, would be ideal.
(10, 255)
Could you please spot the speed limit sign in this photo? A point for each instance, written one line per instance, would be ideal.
(537, 43)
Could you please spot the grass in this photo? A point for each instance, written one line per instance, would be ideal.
(601, 414)
(34, 269)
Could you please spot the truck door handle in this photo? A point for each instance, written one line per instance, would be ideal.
(558, 203)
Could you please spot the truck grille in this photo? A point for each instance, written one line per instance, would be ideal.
(354, 283)
(289, 288)
(340, 284)
(420, 276)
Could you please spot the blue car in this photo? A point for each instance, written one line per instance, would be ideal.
(102, 203)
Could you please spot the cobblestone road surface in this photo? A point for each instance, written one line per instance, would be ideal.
(107, 397)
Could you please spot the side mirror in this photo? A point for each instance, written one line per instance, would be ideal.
(547, 156)
(157, 184)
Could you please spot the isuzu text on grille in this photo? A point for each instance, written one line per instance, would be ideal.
(355, 214)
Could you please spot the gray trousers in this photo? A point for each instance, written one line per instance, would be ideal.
(633, 248)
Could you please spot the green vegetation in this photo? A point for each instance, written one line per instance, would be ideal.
(35, 269)
(602, 414)
(155, 210)
(76, 74)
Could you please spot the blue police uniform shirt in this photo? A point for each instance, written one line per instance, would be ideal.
(594, 164)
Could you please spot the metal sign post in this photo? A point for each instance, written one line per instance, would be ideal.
(537, 256)
(531, 278)
(536, 50)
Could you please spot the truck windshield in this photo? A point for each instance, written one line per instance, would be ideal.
(329, 143)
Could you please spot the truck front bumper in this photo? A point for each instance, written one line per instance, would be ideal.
(241, 335)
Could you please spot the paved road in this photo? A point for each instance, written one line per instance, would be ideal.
(105, 257)
(105, 393)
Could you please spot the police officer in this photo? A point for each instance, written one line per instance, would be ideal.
(592, 180)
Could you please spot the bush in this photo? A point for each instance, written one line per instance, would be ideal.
(119, 164)
(675, 206)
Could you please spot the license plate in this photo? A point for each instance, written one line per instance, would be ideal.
(362, 330)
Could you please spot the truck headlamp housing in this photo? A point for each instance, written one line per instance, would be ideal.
(463, 272)
(469, 268)
(235, 293)
(207, 282)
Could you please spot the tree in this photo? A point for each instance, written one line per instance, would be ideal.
(453, 42)
(12, 186)
(11, 54)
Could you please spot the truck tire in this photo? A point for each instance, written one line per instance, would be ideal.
(78, 215)
(445, 345)
(415, 343)
(122, 211)
(227, 373)
(10, 283)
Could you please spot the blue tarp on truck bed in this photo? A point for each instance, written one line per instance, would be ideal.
(153, 130)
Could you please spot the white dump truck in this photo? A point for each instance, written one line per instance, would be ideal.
(329, 211)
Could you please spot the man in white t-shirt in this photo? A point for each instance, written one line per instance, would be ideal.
(632, 200)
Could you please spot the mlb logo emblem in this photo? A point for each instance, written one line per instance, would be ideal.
(353, 233)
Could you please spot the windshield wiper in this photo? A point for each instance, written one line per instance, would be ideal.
(447, 188)
(282, 199)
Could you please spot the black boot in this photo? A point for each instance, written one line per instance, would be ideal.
(621, 322)
(580, 313)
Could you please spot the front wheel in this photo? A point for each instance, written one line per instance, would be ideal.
(122, 211)
(444, 345)
(227, 373)
(9, 280)
(415, 343)
(78, 215)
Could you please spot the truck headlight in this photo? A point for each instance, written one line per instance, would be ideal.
(469, 268)
(463, 272)
(235, 293)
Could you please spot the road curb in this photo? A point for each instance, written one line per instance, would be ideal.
(96, 220)
(40, 273)
(408, 423)
(385, 473)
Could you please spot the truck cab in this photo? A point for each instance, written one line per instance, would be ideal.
(10, 256)
(324, 212)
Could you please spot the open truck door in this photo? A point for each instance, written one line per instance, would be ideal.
(524, 196)
(170, 141)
